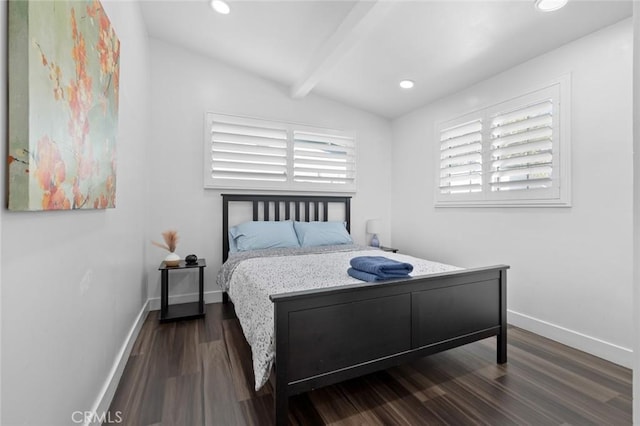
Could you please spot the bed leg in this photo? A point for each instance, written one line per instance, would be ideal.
(501, 346)
(281, 343)
(502, 335)
(282, 409)
(225, 297)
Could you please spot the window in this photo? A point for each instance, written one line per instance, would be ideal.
(461, 158)
(251, 152)
(522, 148)
(248, 153)
(515, 153)
(323, 158)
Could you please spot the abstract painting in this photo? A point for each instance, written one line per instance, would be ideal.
(64, 70)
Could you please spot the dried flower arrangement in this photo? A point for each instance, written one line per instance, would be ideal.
(170, 242)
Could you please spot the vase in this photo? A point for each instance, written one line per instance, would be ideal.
(172, 259)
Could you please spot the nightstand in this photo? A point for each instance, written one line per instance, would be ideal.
(180, 311)
(391, 249)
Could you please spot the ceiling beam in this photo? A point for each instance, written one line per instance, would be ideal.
(365, 15)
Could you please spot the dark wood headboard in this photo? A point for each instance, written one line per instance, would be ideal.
(302, 208)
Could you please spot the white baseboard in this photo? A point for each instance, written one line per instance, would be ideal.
(101, 406)
(209, 297)
(606, 350)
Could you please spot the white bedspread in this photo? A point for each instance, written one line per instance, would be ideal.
(250, 280)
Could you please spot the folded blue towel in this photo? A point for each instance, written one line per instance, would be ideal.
(364, 276)
(381, 266)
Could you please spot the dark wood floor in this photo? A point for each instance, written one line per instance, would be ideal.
(199, 373)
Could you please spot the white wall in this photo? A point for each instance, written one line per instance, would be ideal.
(185, 86)
(571, 276)
(73, 283)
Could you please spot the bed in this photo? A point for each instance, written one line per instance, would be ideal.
(358, 327)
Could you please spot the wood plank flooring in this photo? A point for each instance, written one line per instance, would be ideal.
(199, 372)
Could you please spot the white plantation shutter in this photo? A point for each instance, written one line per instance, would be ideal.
(244, 150)
(520, 157)
(324, 159)
(522, 148)
(461, 158)
(250, 153)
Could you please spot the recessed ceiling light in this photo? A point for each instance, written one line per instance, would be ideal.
(407, 84)
(550, 5)
(220, 7)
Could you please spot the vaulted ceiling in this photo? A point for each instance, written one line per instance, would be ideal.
(356, 52)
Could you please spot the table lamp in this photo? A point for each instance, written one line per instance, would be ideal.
(374, 226)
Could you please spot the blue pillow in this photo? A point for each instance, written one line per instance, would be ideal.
(322, 233)
(233, 248)
(263, 235)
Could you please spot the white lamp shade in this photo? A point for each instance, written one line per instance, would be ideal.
(374, 226)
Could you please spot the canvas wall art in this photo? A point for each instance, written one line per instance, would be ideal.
(64, 69)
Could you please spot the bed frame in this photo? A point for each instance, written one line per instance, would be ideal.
(359, 329)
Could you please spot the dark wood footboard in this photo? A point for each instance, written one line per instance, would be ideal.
(330, 335)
